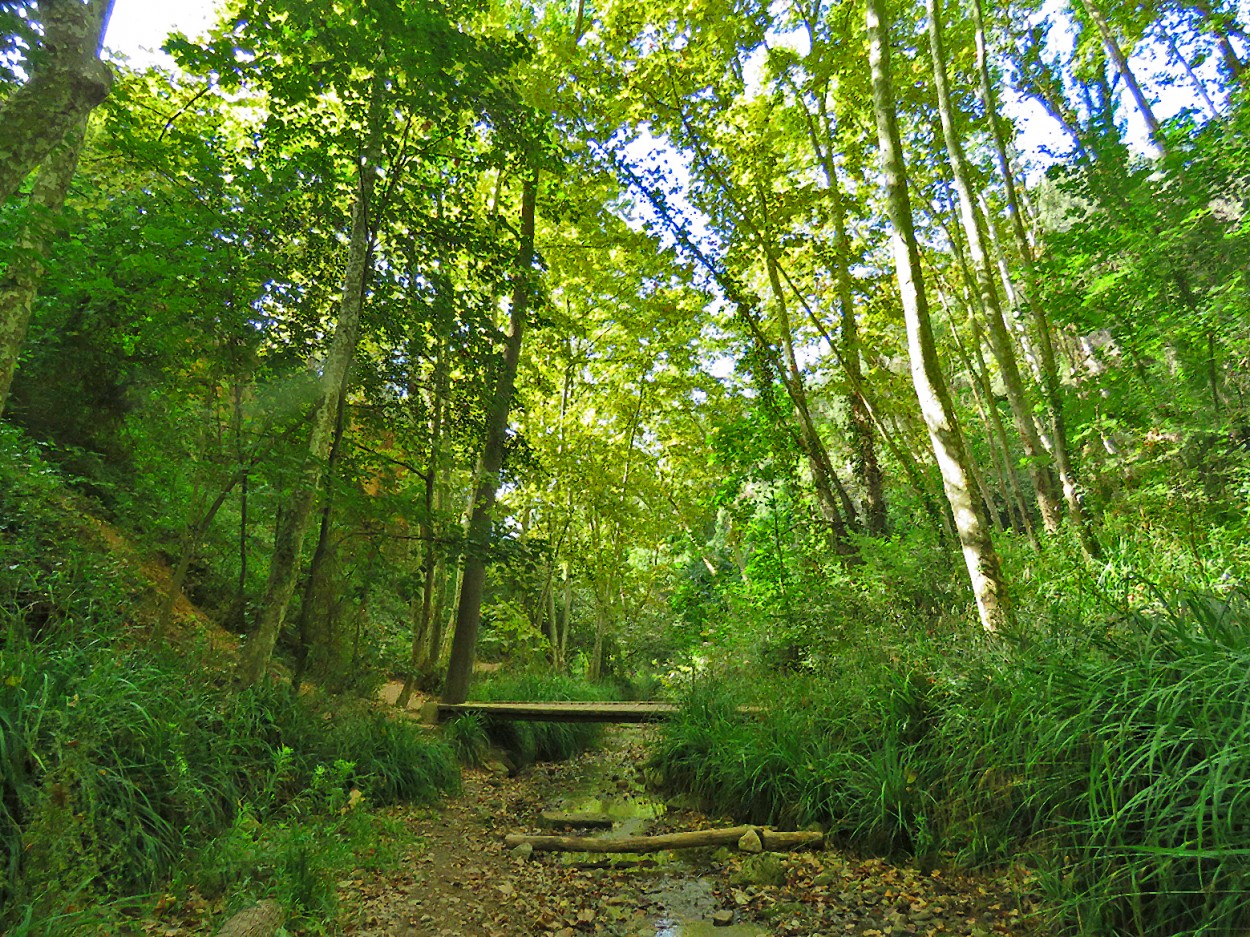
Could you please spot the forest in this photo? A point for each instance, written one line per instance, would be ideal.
(878, 366)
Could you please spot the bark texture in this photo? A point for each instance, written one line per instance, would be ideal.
(67, 81)
(984, 569)
(469, 611)
(20, 284)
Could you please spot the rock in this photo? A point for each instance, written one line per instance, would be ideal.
(260, 920)
(524, 851)
(722, 918)
(750, 842)
(559, 819)
(763, 869)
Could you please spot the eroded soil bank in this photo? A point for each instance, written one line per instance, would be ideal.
(459, 879)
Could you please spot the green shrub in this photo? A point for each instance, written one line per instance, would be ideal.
(467, 737)
(116, 764)
(1119, 759)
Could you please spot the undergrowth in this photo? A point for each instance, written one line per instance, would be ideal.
(1116, 758)
(123, 766)
(528, 742)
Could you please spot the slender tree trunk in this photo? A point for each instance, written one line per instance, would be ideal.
(984, 569)
(840, 514)
(63, 89)
(1199, 87)
(1000, 339)
(863, 445)
(1130, 80)
(1045, 339)
(469, 612)
(317, 566)
(289, 539)
(20, 284)
(999, 440)
(566, 615)
(1232, 62)
(191, 538)
(422, 626)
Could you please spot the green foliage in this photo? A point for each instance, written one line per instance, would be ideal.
(118, 762)
(1117, 756)
(466, 735)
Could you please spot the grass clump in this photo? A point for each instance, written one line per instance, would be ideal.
(528, 742)
(1118, 762)
(117, 768)
(121, 766)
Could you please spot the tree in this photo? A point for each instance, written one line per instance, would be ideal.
(984, 568)
(469, 610)
(67, 80)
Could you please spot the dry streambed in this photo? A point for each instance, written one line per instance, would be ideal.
(461, 879)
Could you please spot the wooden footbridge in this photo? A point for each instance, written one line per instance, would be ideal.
(435, 711)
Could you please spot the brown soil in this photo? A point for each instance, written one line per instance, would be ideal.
(459, 879)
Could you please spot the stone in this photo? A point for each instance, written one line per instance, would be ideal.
(750, 842)
(524, 851)
(722, 918)
(763, 869)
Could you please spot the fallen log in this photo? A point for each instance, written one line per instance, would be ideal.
(260, 920)
(771, 840)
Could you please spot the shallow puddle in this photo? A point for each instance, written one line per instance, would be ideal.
(685, 903)
(688, 906)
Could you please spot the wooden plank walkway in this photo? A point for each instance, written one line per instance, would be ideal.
(650, 711)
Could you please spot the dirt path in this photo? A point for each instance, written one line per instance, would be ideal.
(459, 879)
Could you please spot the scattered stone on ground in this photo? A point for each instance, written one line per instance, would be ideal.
(459, 879)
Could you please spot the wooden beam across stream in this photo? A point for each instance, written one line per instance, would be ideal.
(650, 711)
(434, 711)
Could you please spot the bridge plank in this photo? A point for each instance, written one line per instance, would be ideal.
(618, 712)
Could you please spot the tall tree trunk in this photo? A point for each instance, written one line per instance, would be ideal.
(63, 89)
(20, 284)
(422, 626)
(1232, 62)
(317, 566)
(824, 476)
(191, 538)
(289, 538)
(1000, 339)
(1126, 73)
(469, 611)
(984, 569)
(863, 443)
(1045, 338)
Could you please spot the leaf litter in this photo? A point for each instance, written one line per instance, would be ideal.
(460, 880)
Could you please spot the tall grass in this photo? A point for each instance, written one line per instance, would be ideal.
(114, 765)
(1118, 761)
(118, 764)
(542, 741)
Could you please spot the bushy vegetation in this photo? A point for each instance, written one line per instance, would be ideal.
(120, 762)
(1114, 756)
